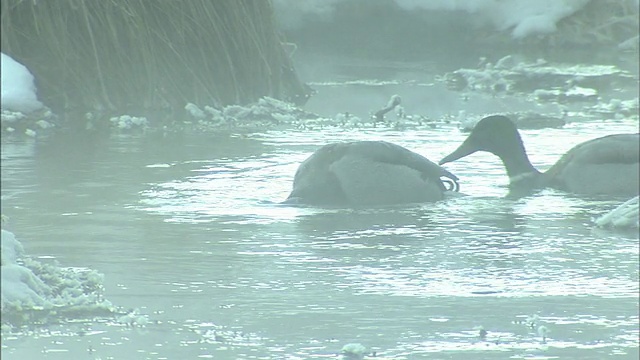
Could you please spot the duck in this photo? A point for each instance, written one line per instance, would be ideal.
(393, 102)
(369, 173)
(603, 166)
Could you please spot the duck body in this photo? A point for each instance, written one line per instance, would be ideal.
(363, 173)
(606, 165)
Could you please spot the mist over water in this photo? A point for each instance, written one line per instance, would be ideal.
(222, 269)
(200, 259)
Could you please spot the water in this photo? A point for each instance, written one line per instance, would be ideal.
(189, 233)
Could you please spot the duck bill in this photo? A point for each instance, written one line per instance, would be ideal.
(467, 148)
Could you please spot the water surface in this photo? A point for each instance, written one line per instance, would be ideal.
(189, 233)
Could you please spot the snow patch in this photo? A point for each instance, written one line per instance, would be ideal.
(18, 87)
(523, 17)
(31, 289)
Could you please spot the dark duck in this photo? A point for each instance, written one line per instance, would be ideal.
(365, 173)
(606, 165)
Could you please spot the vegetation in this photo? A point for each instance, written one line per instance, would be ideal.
(148, 55)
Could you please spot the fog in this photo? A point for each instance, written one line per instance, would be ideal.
(521, 17)
(325, 231)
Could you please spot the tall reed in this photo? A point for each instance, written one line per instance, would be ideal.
(142, 54)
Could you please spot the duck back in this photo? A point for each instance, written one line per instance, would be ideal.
(368, 173)
(606, 165)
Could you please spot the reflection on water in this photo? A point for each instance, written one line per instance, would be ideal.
(190, 232)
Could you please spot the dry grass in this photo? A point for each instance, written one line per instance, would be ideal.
(141, 54)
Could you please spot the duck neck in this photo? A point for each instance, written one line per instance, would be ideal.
(518, 165)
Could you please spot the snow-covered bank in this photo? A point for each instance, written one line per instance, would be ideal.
(581, 92)
(522, 17)
(519, 19)
(18, 87)
(21, 109)
(32, 290)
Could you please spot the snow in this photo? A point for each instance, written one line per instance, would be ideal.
(523, 17)
(20, 287)
(527, 17)
(127, 122)
(18, 87)
(30, 287)
(263, 113)
(353, 351)
(627, 215)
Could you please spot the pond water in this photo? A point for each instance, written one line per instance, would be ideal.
(188, 232)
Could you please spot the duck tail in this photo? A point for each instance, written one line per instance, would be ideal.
(450, 184)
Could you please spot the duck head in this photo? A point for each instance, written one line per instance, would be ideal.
(496, 134)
